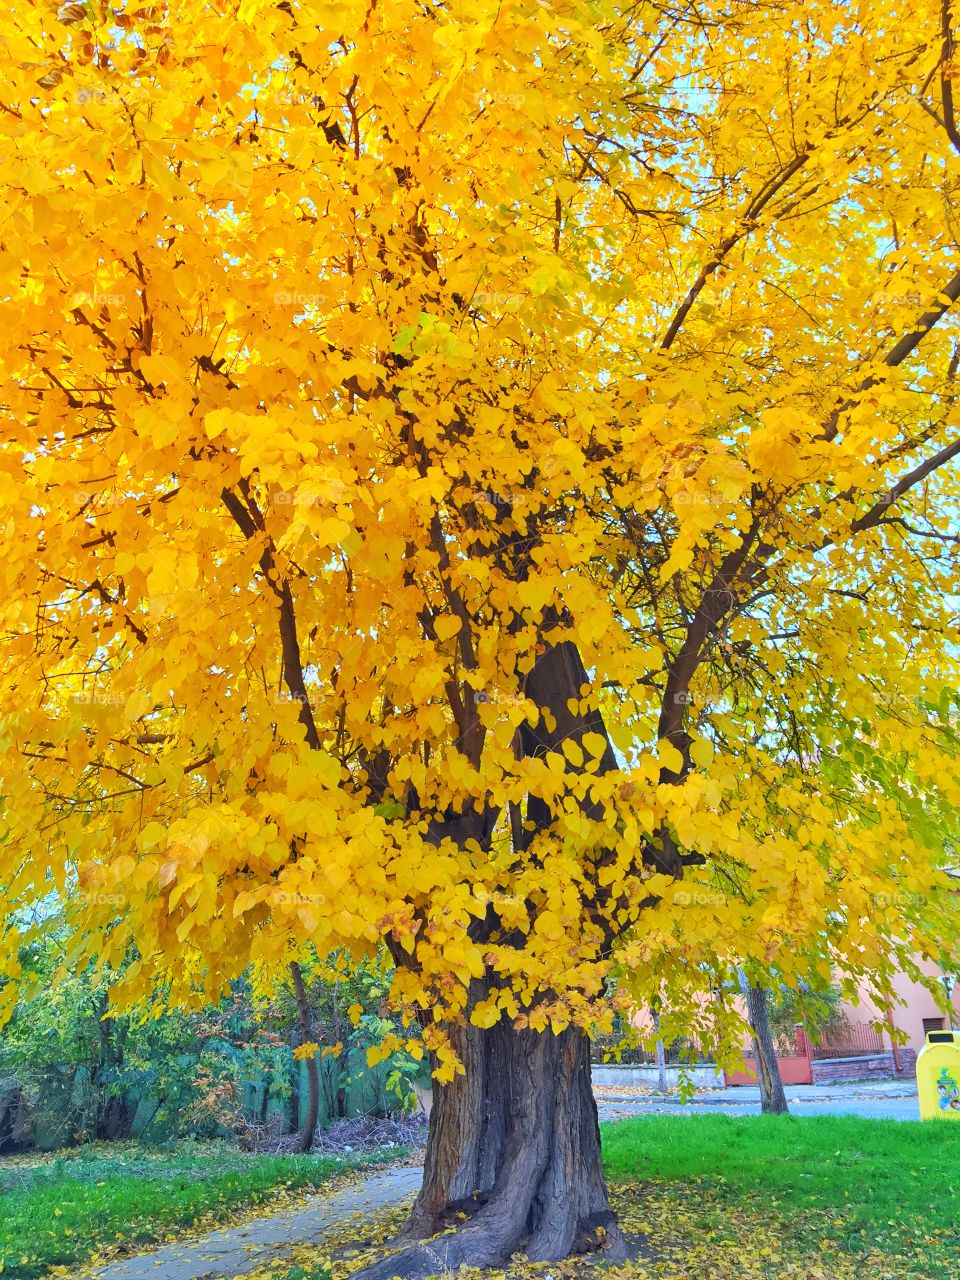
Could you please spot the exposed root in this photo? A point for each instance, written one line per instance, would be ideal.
(436, 1257)
(601, 1235)
(476, 1246)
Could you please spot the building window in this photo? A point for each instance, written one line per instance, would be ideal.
(932, 1024)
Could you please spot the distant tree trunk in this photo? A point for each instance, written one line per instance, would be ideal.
(338, 1039)
(309, 1128)
(113, 1114)
(114, 1119)
(515, 1146)
(341, 1094)
(295, 1086)
(11, 1105)
(773, 1100)
(661, 1067)
(661, 1058)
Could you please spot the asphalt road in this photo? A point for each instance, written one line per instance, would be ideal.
(880, 1100)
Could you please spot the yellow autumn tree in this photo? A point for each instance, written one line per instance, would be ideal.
(478, 478)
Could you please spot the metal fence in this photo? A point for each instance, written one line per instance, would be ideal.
(609, 1050)
(854, 1040)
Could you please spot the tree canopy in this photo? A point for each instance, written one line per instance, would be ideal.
(480, 478)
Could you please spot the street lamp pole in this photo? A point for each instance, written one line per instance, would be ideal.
(949, 982)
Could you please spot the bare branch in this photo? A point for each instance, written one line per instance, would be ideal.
(875, 515)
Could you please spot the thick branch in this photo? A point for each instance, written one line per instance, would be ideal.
(907, 344)
(718, 600)
(746, 223)
(248, 524)
(875, 514)
(946, 88)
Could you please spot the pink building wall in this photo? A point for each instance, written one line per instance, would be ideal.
(915, 1003)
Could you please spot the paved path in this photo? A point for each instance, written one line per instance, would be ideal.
(234, 1251)
(880, 1100)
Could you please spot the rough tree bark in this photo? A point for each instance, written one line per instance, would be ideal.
(773, 1100)
(309, 1128)
(515, 1146)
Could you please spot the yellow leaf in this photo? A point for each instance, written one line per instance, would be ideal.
(485, 1014)
(446, 626)
(669, 756)
(701, 752)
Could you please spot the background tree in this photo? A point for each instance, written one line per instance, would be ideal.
(481, 482)
(73, 1073)
(309, 1124)
(68, 1074)
(773, 1100)
(819, 1011)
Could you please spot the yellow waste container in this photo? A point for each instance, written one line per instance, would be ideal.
(938, 1076)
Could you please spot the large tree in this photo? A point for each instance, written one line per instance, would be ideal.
(479, 477)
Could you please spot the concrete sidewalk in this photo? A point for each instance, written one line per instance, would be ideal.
(234, 1251)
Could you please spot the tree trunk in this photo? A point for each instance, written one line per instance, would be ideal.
(113, 1115)
(773, 1100)
(11, 1106)
(337, 1036)
(513, 1144)
(661, 1057)
(661, 1067)
(309, 1130)
(295, 1087)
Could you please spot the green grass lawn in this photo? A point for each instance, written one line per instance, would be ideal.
(57, 1211)
(759, 1198)
(844, 1186)
(751, 1198)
